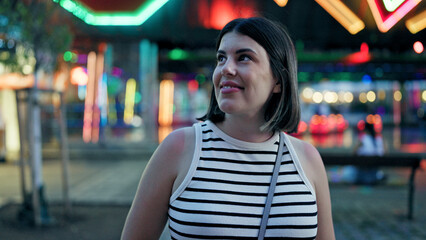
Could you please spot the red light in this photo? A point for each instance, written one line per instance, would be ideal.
(222, 12)
(216, 13)
(192, 85)
(418, 47)
(302, 127)
(423, 164)
(102, 47)
(361, 125)
(358, 57)
(364, 47)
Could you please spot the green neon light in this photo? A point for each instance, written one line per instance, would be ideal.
(391, 5)
(136, 17)
(178, 54)
(67, 56)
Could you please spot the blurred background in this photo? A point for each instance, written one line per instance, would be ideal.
(85, 76)
(134, 70)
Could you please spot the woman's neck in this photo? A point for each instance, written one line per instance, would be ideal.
(244, 129)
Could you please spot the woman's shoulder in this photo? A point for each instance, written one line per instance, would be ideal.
(178, 140)
(306, 149)
(309, 158)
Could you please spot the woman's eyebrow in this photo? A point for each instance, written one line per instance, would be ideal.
(242, 50)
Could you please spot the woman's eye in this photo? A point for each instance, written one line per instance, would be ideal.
(244, 58)
(220, 58)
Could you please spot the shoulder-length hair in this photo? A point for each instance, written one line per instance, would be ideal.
(283, 110)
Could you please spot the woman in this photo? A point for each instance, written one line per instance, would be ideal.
(211, 180)
(369, 144)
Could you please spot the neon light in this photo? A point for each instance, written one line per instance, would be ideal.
(391, 5)
(96, 106)
(163, 131)
(359, 57)
(89, 102)
(343, 15)
(386, 20)
(165, 111)
(137, 17)
(416, 23)
(129, 101)
(281, 3)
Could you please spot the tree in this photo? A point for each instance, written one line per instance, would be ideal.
(39, 33)
(38, 27)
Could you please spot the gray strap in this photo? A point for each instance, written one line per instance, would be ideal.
(271, 190)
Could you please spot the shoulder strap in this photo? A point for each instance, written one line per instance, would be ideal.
(271, 190)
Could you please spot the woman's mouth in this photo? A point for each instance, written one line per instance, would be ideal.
(230, 87)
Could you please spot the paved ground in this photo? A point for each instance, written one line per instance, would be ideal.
(102, 189)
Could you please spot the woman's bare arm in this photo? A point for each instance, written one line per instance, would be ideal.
(325, 220)
(148, 213)
(314, 169)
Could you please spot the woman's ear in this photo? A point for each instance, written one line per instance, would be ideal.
(277, 87)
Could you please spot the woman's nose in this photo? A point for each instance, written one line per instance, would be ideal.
(229, 68)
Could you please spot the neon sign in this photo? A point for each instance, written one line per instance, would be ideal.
(387, 13)
(136, 17)
(343, 15)
(391, 5)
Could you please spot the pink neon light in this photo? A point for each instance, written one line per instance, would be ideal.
(400, 13)
(385, 24)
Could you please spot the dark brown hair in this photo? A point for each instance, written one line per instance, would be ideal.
(283, 110)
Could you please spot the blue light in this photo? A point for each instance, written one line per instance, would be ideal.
(366, 79)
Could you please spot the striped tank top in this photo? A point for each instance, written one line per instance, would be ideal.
(224, 192)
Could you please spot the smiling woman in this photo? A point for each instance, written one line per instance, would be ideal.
(235, 174)
(243, 78)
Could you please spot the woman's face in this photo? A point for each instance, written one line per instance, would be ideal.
(243, 79)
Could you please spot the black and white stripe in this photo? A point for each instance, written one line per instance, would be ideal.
(224, 196)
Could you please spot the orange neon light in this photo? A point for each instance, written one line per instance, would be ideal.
(281, 3)
(96, 111)
(385, 20)
(343, 15)
(416, 23)
(165, 111)
(163, 131)
(16, 81)
(89, 102)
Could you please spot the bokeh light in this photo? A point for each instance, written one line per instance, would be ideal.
(317, 97)
(79, 76)
(397, 95)
(363, 97)
(371, 96)
(418, 47)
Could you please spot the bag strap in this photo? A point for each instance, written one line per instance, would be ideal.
(271, 190)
